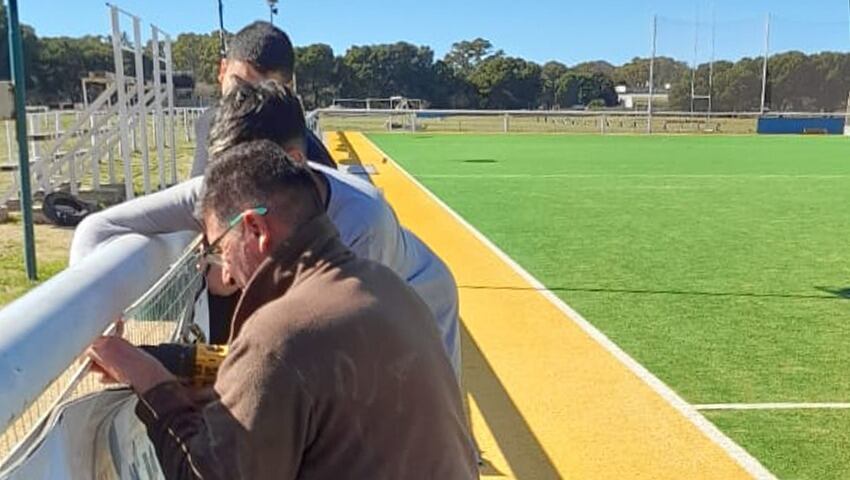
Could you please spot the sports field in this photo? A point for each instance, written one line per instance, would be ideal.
(719, 263)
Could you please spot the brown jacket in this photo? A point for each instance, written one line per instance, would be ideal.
(336, 371)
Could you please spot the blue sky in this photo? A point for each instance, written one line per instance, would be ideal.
(569, 31)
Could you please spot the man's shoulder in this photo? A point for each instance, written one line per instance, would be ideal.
(353, 288)
(346, 182)
(353, 200)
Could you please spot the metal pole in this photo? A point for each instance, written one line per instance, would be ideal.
(272, 10)
(764, 67)
(16, 57)
(222, 45)
(159, 127)
(141, 107)
(110, 152)
(713, 53)
(169, 85)
(186, 124)
(694, 66)
(651, 73)
(123, 127)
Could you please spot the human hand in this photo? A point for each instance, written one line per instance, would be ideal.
(119, 360)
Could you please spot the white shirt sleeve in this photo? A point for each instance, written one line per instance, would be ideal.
(168, 211)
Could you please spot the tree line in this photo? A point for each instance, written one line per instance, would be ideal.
(472, 75)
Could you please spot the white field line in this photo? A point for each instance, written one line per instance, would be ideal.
(774, 406)
(749, 463)
(765, 176)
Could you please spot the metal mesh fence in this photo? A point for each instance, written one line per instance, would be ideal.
(163, 314)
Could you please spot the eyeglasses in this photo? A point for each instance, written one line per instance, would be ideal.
(211, 253)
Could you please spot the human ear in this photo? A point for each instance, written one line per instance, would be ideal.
(258, 227)
(296, 154)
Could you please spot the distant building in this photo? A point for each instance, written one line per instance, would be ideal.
(184, 88)
(638, 98)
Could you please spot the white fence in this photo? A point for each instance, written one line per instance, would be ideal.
(48, 328)
(145, 280)
(548, 121)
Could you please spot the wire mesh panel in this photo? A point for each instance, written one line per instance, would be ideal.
(166, 309)
(163, 314)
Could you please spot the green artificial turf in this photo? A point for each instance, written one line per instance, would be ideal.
(722, 264)
(798, 444)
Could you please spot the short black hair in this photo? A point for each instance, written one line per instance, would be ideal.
(267, 111)
(259, 173)
(266, 47)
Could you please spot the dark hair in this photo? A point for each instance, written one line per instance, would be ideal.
(266, 47)
(259, 173)
(268, 111)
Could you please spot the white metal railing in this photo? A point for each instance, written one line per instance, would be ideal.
(602, 121)
(47, 329)
(567, 113)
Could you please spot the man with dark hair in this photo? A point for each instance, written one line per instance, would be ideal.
(265, 50)
(366, 222)
(266, 110)
(335, 368)
(260, 51)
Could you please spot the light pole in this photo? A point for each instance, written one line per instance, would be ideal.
(272, 10)
(222, 46)
(16, 62)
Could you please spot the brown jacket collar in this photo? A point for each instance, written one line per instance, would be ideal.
(313, 246)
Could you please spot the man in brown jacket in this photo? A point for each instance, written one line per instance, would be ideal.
(335, 369)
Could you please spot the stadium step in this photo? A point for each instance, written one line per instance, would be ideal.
(346, 157)
(548, 395)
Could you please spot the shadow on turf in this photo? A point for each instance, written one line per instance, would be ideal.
(834, 293)
(522, 451)
(478, 160)
(843, 293)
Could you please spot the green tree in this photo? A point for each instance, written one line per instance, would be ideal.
(315, 69)
(466, 55)
(199, 54)
(598, 66)
(450, 90)
(29, 41)
(507, 82)
(63, 61)
(549, 76)
(635, 74)
(581, 88)
(387, 70)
